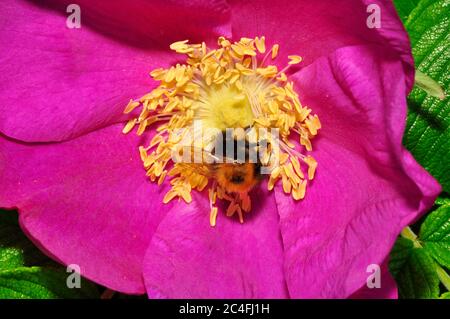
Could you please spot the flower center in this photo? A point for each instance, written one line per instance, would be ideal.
(226, 88)
(225, 107)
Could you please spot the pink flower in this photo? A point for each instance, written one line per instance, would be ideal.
(78, 182)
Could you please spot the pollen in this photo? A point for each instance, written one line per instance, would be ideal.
(234, 85)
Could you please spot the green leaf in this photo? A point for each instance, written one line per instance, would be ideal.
(15, 249)
(443, 200)
(414, 271)
(427, 134)
(435, 235)
(41, 282)
(445, 295)
(404, 8)
(27, 273)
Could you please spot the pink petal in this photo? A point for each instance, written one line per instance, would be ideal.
(87, 202)
(317, 28)
(58, 83)
(387, 289)
(154, 23)
(367, 187)
(187, 258)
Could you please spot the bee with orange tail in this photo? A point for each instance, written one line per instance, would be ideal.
(232, 175)
(238, 172)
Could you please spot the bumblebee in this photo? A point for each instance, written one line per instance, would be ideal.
(238, 172)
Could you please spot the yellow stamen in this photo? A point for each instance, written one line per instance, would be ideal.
(213, 216)
(294, 59)
(312, 165)
(282, 77)
(129, 126)
(227, 87)
(299, 192)
(179, 45)
(131, 106)
(275, 51)
(260, 44)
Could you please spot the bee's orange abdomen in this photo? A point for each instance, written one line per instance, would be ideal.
(237, 178)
